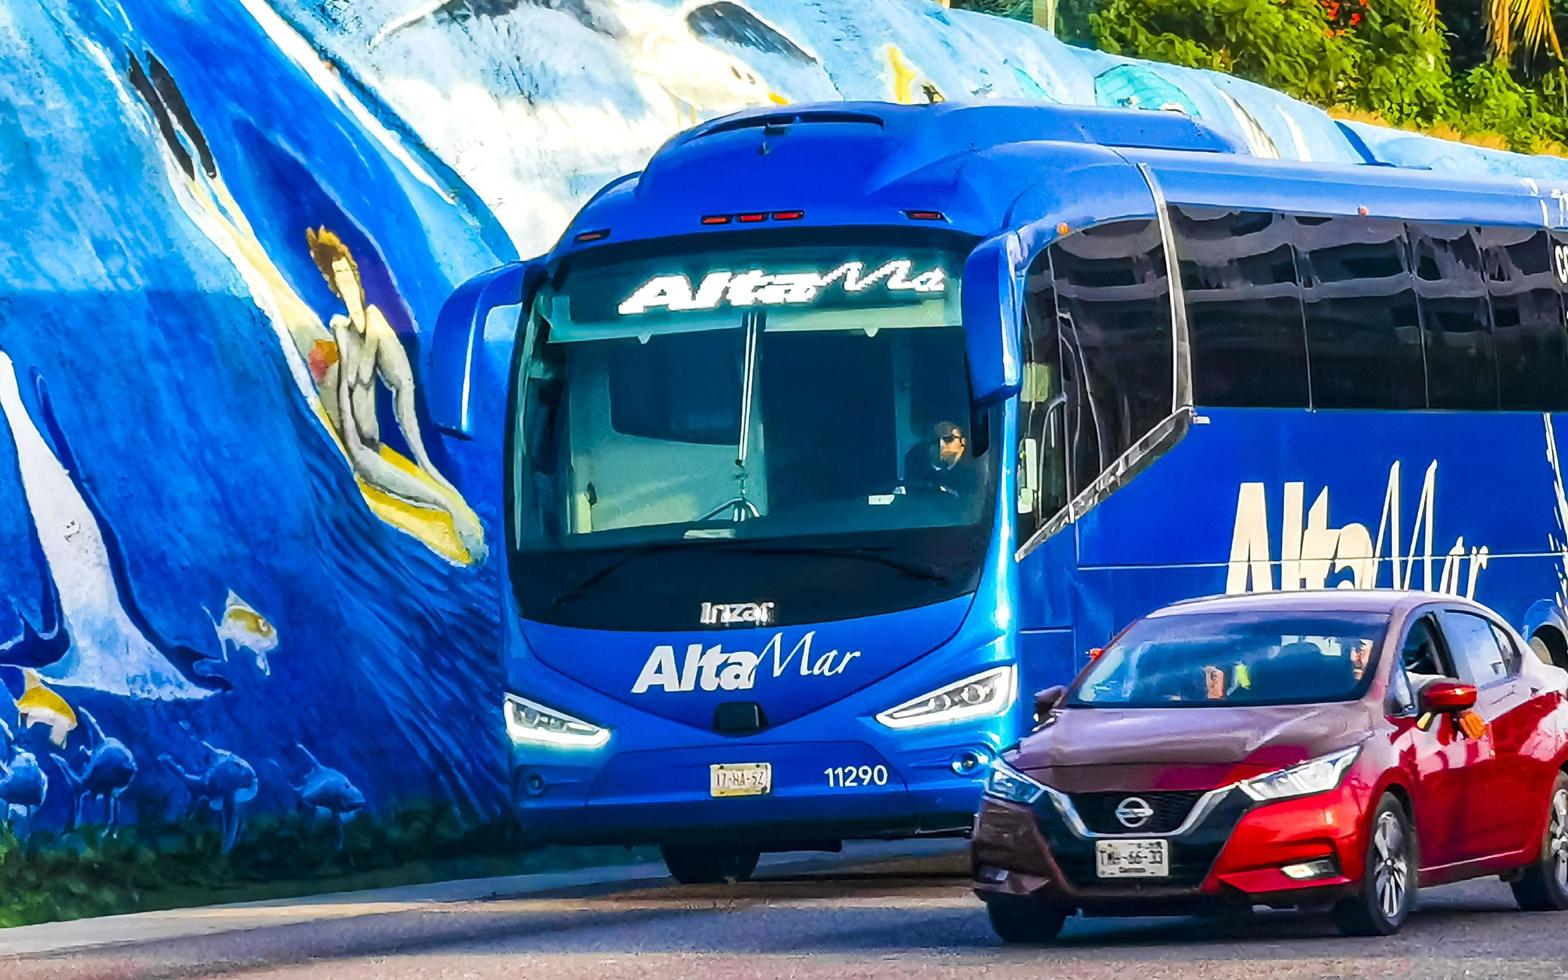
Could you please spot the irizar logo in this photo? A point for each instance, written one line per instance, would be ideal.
(1312, 552)
(730, 613)
(717, 669)
(759, 288)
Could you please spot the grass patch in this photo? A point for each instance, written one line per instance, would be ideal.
(541, 861)
(52, 877)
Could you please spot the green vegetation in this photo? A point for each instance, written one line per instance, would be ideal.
(48, 877)
(1486, 71)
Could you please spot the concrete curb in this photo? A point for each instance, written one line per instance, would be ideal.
(174, 924)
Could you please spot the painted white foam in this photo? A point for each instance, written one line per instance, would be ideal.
(108, 653)
(302, 54)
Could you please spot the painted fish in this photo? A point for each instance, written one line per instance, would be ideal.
(39, 705)
(106, 772)
(23, 783)
(240, 627)
(322, 788)
(247, 629)
(222, 783)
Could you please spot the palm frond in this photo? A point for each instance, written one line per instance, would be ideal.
(1500, 28)
(1533, 20)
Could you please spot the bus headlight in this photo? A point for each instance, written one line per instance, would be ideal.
(1313, 776)
(530, 722)
(982, 696)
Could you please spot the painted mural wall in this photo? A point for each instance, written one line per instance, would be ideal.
(236, 577)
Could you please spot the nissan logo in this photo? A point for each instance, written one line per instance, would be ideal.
(1134, 812)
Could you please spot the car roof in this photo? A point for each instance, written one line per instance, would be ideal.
(1387, 601)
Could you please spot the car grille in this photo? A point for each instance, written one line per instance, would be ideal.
(1098, 811)
(1191, 854)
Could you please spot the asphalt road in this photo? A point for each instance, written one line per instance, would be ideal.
(836, 918)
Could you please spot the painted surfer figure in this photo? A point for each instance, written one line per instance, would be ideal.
(368, 351)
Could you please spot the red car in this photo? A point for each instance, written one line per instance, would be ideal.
(1309, 749)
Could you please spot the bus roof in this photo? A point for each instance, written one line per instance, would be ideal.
(991, 166)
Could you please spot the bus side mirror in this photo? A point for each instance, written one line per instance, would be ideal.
(993, 319)
(460, 369)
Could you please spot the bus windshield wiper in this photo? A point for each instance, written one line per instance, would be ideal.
(923, 572)
(614, 565)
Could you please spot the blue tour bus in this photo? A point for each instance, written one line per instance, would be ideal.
(836, 432)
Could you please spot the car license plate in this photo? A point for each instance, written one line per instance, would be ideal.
(741, 779)
(1132, 858)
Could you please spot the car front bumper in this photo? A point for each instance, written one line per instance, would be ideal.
(1234, 855)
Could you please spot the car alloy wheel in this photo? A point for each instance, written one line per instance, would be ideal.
(1388, 881)
(1543, 887)
(1391, 877)
(1557, 838)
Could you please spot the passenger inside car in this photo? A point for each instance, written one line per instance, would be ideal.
(1304, 665)
(1236, 663)
(1360, 653)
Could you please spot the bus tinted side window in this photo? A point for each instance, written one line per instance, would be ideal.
(1243, 308)
(1042, 453)
(1528, 312)
(1113, 297)
(1461, 371)
(1363, 330)
(1527, 317)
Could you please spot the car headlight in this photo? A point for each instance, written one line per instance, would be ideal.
(1006, 783)
(529, 721)
(1313, 776)
(981, 696)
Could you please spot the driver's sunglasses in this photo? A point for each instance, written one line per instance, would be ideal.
(952, 437)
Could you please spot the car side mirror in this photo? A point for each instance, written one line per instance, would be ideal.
(1045, 701)
(1442, 697)
(993, 319)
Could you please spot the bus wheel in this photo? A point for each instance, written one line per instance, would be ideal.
(1547, 645)
(709, 865)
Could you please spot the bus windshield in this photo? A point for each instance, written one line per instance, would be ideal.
(694, 423)
(1232, 660)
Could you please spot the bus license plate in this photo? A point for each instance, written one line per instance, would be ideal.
(741, 779)
(1132, 858)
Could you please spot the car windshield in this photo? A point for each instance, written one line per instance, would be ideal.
(1229, 660)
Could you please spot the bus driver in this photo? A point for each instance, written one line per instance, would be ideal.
(942, 465)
